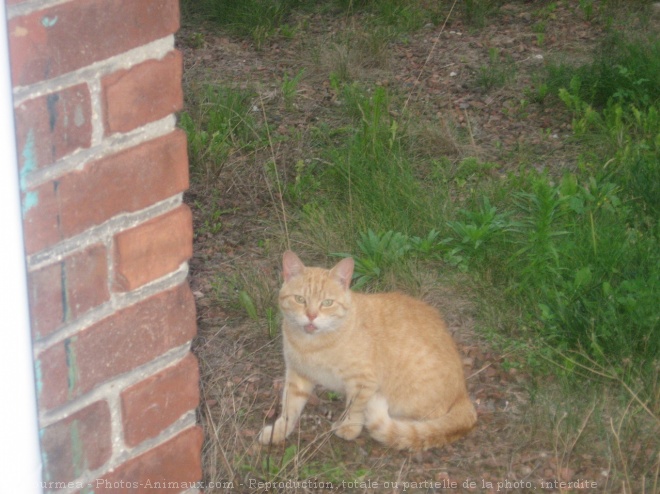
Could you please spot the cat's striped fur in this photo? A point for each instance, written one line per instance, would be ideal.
(390, 354)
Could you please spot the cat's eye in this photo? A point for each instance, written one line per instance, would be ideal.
(327, 302)
(300, 299)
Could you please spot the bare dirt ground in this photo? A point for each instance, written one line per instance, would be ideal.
(516, 447)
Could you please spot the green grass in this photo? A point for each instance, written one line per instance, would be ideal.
(562, 266)
(575, 255)
(623, 71)
(290, 87)
(405, 15)
(368, 179)
(496, 73)
(249, 14)
(477, 12)
(578, 255)
(256, 18)
(263, 19)
(219, 122)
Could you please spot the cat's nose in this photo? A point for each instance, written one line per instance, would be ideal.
(311, 316)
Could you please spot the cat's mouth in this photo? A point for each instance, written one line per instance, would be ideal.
(310, 328)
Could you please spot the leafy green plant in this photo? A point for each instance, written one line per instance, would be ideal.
(540, 39)
(333, 396)
(538, 93)
(260, 35)
(587, 8)
(404, 15)
(626, 71)
(377, 252)
(626, 133)
(288, 32)
(212, 223)
(539, 27)
(272, 321)
(495, 73)
(197, 40)
(218, 122)
(273, 469)
(540, 211)
(582, 267)
(476, 12)
(479, 228)
(290, 87)
(427, 246)
(548, 10)
(305, 184)
(256, 18)
(248, 304)
(252, 294)
(210, 213)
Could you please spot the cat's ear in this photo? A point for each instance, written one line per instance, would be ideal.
(343, 271)
(292, 266)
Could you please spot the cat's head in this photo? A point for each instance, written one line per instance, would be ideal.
(315, 300)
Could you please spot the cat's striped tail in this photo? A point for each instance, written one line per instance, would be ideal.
(419, 434)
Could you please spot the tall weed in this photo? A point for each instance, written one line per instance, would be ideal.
(623, 71)
(258, 19)
(602, 296)
(218, 123)
(369, 177)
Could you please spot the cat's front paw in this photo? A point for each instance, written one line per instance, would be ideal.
(272, 434)
(348, 430)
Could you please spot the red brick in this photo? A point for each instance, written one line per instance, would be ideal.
(160, 400)
(86, 280)
(55, 384)
(176, 462)
(117, 344)
(52, 126)
(46, 300)
(77, 443)
(153, 249)
(124, 182)
(64, 291)
(65, 37)
(142, 94)
(41, 218)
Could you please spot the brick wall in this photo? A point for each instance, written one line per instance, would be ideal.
(102, 172)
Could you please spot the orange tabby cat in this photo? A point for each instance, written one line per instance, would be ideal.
(390, 354)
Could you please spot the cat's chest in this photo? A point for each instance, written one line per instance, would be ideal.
(317, 367)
